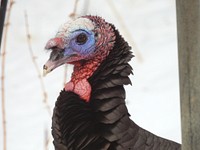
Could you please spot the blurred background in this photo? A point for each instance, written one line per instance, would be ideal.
(148, 25)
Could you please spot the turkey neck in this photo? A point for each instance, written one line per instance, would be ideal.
(84, 69)
(102, 122)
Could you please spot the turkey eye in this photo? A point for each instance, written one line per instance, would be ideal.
(81, 39)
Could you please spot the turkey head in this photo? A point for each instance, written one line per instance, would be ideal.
(84, 42)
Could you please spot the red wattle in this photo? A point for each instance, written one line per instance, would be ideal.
(82, 88)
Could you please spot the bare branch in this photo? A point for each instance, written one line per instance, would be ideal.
(28, 35)
(3, 62)
(74, 13)
(47, 138)
(124, 27)
(65, 74)
(85, 7)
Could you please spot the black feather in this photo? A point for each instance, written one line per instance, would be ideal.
(103, 123)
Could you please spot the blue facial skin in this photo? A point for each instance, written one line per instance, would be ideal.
(82, 50)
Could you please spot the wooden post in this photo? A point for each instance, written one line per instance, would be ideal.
(188, 25)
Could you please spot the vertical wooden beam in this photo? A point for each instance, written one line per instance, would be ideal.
(188, 25)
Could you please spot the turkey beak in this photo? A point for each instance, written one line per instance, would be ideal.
(45, 70)
(57, 58)
(54, 61)
(48, 67)
(57, 55)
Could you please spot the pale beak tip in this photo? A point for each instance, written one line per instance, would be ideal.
(45, 70)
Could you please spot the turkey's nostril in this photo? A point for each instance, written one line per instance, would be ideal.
(45, 67)
(45, 70)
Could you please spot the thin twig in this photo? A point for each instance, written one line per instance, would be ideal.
(85, 7)
(46, 139)
(74, 13)
(36, 65)
(65, 74)
(3, 62)
(124, 27)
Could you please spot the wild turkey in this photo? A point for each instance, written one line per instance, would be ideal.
(90, 112)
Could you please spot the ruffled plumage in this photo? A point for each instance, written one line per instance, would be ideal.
(103, 123)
